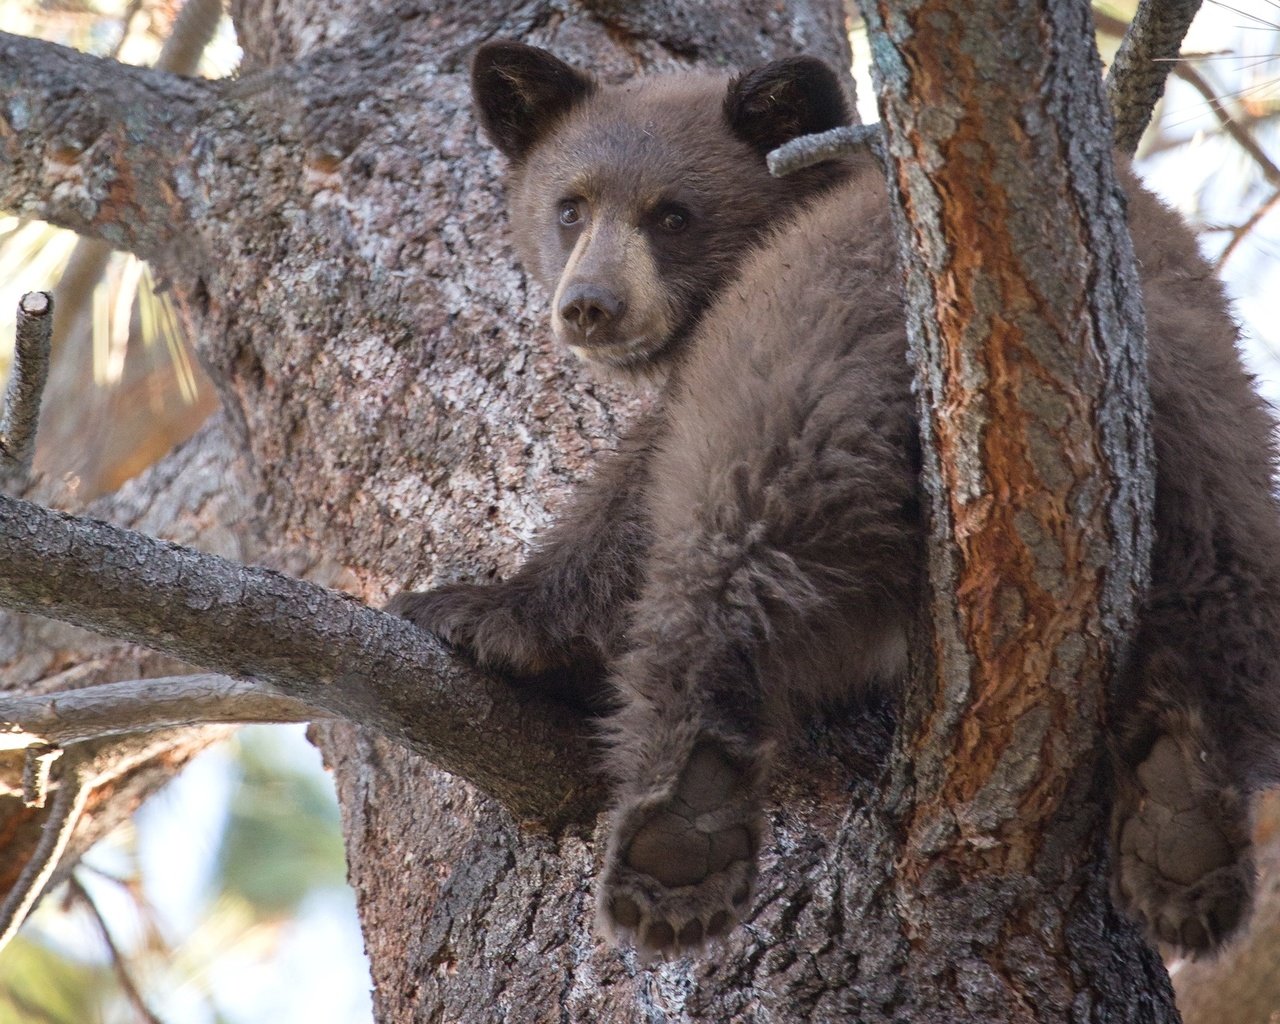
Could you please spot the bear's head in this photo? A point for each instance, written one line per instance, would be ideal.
(634, 203)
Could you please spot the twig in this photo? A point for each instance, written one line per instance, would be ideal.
(142, 705)
(1136, 80)
(117, 958)
(26, 383)
(829, 145)
(73, 791)
(1238, 234)
(1229, 125)
(126, 23)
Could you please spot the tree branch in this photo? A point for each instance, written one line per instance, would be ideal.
(142, 705)
(808, 150)
(1240, 233)
(191, 34)
(73, 793)
(1136, 80)
(127, 984)
(95, 145)
(1240, 135)
(318, 646)
(1030, 375)
(27, 378)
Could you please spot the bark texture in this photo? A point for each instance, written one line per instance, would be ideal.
(1027, 336)
(333, 228)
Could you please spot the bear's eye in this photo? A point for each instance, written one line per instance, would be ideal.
(570, 213)
(673, 219)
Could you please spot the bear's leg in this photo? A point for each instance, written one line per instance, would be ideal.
(1180, 835)
(690, 755)
(739, 623)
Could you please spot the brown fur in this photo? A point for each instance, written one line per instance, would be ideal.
(758, 545)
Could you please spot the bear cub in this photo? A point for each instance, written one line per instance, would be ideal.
(758, 544)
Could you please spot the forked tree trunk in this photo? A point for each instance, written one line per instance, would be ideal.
(333, 227)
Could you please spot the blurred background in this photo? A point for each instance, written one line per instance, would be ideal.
(225, 901)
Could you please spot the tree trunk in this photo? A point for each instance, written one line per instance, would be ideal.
(332, 226)
(1031, 374)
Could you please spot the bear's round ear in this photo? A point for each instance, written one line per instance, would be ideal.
(521, 91)
(784, 100)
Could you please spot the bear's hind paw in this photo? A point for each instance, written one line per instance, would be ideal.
(680, 871)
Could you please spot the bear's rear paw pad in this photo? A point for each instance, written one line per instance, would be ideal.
(1183, 865)
(680, 870)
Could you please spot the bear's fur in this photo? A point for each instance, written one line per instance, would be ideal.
(758, 543)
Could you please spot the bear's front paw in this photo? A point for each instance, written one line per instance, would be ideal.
(681, 868)
(490, 624)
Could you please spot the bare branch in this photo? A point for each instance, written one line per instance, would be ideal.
(27, 378)
(1240, 233)
(73, 792)
(94, 145)
(808, 150)
(117, 958)
(1136, 80)
(142, 705)
(1239, 134)
(318, 646)
(191, 33)
(35, 772)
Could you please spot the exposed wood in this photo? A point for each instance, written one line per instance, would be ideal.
(1031, 377)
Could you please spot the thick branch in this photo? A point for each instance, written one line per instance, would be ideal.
(1136, 80)
(27, 378)
(93, 145)
(316, 645)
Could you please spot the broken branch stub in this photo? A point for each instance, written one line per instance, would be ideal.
(27, 377)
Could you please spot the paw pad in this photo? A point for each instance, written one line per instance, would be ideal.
(1183, 866)
(680, 872)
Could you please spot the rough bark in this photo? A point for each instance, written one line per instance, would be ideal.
(332, 227)
(1147, 53)
(1031, 376)
(316, 645)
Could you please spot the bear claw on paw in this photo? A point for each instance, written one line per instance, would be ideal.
(1183, 864)
(1197, 919)
(669, 923)
(685, 875)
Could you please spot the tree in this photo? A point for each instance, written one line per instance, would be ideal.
(331, 227)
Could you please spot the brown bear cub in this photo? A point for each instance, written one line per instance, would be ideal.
(758, 545)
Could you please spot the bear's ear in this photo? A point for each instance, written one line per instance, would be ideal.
(521, 91)
(783, 100)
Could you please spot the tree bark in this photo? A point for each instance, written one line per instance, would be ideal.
(1031, 373)
(331, 225)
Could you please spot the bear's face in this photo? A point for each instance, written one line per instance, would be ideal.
(633, 204)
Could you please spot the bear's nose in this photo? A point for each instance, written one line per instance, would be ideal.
(589, 307)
